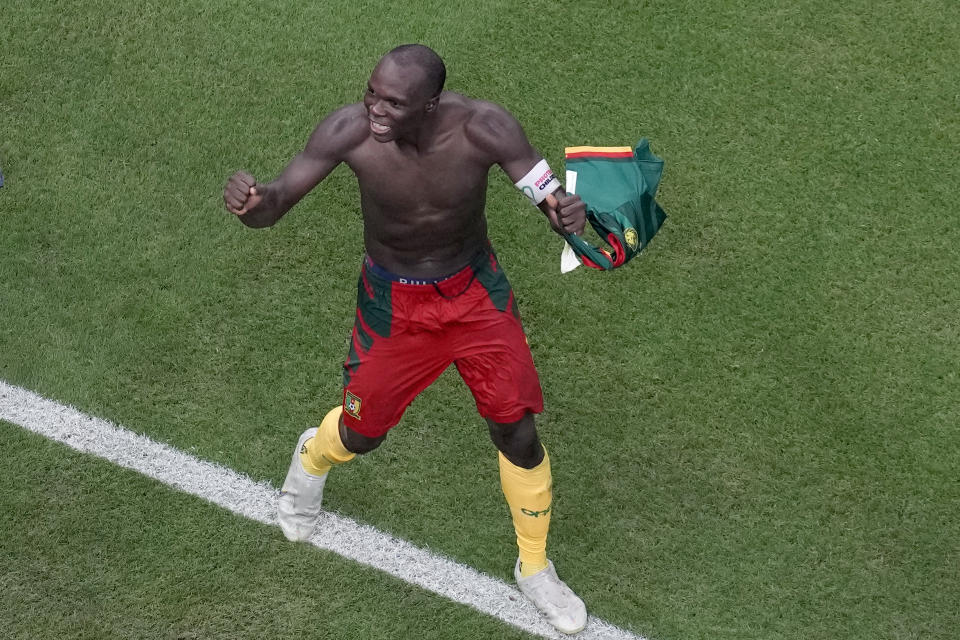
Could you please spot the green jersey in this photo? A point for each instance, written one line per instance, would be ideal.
(618, 185)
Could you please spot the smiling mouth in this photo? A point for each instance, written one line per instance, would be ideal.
(378, 128)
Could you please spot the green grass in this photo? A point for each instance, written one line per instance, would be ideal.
(754, 426)
(92, 551)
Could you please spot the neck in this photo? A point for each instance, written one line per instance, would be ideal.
(421, 139)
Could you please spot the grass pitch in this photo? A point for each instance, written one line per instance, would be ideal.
(754, 426)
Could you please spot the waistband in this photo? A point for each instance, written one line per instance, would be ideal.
(384, 274)
(467, 272)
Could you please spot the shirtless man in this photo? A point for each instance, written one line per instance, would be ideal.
(431, 292)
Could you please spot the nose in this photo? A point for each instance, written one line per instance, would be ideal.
(376, 108)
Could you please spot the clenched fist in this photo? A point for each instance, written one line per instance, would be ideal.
(242, 193)
(567, 214)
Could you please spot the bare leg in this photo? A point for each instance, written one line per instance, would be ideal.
(518, 441)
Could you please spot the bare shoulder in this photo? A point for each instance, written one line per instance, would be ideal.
(340, 132)
(493, 129)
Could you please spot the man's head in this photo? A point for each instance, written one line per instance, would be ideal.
(403, 91)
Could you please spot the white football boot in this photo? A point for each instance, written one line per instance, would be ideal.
(555, 600)
(300, 497)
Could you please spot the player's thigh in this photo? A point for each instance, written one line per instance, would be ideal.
(497, 366)
(382, 381)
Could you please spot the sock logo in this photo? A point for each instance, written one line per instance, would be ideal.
(534, 514)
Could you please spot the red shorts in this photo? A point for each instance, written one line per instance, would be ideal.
(405, 335)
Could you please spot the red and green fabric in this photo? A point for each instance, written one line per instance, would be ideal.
(618, 185)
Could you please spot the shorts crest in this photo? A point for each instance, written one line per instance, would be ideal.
(351, 404)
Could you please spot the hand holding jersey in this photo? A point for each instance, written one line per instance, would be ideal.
(566, 212)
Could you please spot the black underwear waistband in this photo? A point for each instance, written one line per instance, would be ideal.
(379, 271)
(386, 274)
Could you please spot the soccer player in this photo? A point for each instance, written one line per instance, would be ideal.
(431, 292)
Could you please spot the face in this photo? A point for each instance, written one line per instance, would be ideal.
(397, 102)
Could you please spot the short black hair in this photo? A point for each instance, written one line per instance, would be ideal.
(425, 58)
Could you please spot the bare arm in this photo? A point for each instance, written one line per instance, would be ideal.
(261, 205)
(495, 130)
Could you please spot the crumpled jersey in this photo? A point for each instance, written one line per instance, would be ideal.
(618, 185)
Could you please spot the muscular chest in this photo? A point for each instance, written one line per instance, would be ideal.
(444, 180)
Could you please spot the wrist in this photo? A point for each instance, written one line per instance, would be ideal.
(538, 183)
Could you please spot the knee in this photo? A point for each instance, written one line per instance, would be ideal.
(518, 441)
(357, 442)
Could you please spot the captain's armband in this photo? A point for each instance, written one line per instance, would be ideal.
(538, 183)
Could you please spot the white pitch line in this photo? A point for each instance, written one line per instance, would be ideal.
(258, 501)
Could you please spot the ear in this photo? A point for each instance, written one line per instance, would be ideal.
(431, 105)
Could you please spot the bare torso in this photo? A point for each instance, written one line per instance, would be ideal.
(423, 209)
(422, 185)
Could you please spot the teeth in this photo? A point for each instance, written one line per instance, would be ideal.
(378, 128)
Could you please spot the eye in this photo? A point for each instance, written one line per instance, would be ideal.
(394, 104)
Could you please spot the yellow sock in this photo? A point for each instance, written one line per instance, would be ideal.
(325, 449)
(529, 493)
